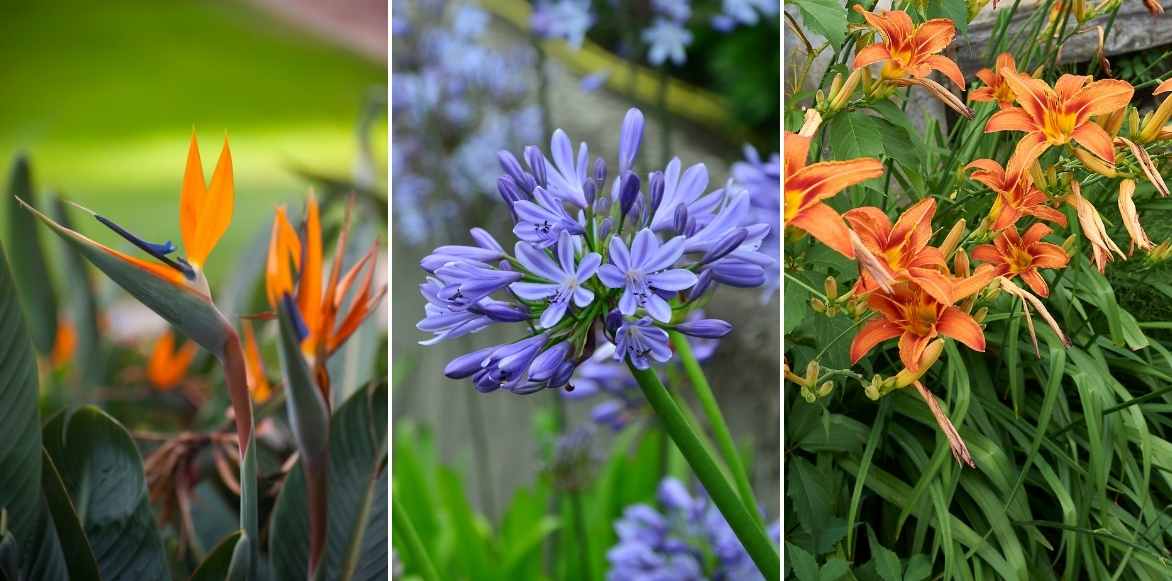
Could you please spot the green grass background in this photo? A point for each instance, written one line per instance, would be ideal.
(104, 96)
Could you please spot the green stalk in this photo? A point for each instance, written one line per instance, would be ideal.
(751, 535)
(724, 439)
(414, 547)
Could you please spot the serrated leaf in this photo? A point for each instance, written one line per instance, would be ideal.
(885, 561)
(29, 265)
(20, 443)
(102, 470)
(833, 569)
(826, 17)
(802, 563)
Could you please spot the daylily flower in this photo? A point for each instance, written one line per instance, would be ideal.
(908, 50)
(258, 381)
(1059, 115)
(1092, 228)
(1131, 218)
(902, 247)
(318, 309)
(913, 315)
(1016, 193)
(168, 366)
(996, 89)
(807, 186)
(1023, 255)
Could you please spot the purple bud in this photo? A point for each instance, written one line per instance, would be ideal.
(705, 328)
(629, 137)
(691, 227)
(485, 240)
(722, 248)
(528, 388)
(702, 283)
(501, 312)
(614, 320)
(547, 363)
(628, 191)
(513, 168)
(465, 365)
(509, 191)
(605, 227)
(562, 375)
(738, 273)
(680, 219)
(599, 172)
(536, 161)
(610, 413)
(656, 185)
(601, 205)
(588, 190)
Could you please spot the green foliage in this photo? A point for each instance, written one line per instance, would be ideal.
(826, 17)
(29, 264)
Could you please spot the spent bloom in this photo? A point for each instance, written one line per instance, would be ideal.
(595, 262)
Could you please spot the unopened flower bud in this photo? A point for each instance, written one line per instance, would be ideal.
(980, 315)
(812, 369)
(1093, 163)
(656, 186)
(1133, 124)
(840, 97)
(960, 263)
(818, 305)
(831, 286)
(808, 395)
(825, 389)
(1068, 245)
(953, 239)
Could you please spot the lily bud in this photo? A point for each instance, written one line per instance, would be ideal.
(1093, 163)
(812, 369)
(931, 354)
(1152, 125)
(818, 305)
(953, 239)
(840, 97)
(831, 286)
(825, 389)
(960, 263)
(980, 315)
(1133, 123)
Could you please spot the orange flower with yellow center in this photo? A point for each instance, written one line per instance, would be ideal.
(908, 50)
(903, 247)
(1059, 115)
(807, 186)
(996, 89)
(167, 366)
(1013, 255)
(1016, 193)
(913, 315)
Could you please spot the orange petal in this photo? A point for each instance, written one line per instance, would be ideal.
(1100, 97)
(825, 225)
(191, 196)
(1011, 119)
(1163, 87)
(1032, 94)
(284, 247)
(309, 292)
(1131, 217)
(933, 282)
(1036, 283)
(873, 333)
(987, 253)
(1048, 255)
(167, 367)
(258, 382)
(872, 54)
(965, 287)
(1096, 140)
(911, 349)
(797, 148)
(825, 179)
(948, 67)
(955, 323)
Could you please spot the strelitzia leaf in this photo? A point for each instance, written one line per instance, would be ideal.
(187, 308)
(29, 265)
(89, 357)
(32, 531)
(215, 566)
(80, 555)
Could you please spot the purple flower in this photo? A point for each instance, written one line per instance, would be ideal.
(677, 10)
(645, 269)
(564, 279)
(666, 40)
(466, 282)
(568, 176)
(681, 191)
(542, 221)
(762, 178)
(638, 340)
(486, 251)
(565, 19)
(507, 366)
(594, 81)
(630, 136)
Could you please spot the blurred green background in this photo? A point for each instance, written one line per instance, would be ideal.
(104, 96)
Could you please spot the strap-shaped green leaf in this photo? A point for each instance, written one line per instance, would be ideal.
(215, 566)
(28, 265)
(356, 537)
(20, 443)
(102, 470)
(79, 556)
(89, 359)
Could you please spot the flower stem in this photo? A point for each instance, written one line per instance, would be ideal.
(751, 534)
(413, 546)
(724, 439)
(236, 378)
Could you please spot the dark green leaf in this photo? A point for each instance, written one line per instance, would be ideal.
(803, 565)
(215, 566)
(20, 443)
(89, 358)
(854, 135)
(885, 561)
(79, 556)
(29, 266)
(826, 17)
(102, 470)
(956, 10)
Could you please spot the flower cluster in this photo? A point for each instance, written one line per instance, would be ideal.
(919, 293)
(629, 265)
(687, 540)
(451, 93)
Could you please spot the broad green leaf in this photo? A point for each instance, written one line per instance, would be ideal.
(89, 358)
(20, 443)
(802, 563)
(102, 470)
(833, 569)
(189, 310)
(79, 556)
(854, 135)
(955, 10)
(356, 546)
(215, 566)
(826, 17)
(29, 265)
(885, 561)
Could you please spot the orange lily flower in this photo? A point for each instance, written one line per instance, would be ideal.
(1016, 193)
(258, 381)
(908, 50)
(996, 89)
(902, 247)
(913, 315)
(168, 366)
(806, 186)
(1013, 255)
(1059, 115)
(318, 310)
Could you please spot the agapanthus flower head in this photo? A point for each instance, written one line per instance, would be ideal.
(1052, 116)
(591, 267)
(685, 538)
